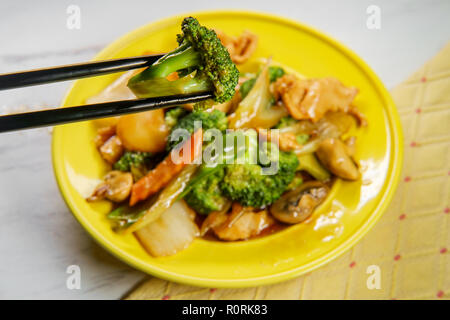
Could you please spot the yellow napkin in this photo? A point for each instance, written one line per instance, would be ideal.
(409, 248)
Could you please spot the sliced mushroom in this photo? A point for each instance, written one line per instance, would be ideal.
(297, 205)
(334, 155)
(116, 187)
(350, 144)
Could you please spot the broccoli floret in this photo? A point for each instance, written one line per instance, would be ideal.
(132, 159)
(310, 164)
(203, 192)
(201, 61)
(205, 195)
(138, 163)
(246, 183)
(285, 122)
(214, 119)
(172, 116)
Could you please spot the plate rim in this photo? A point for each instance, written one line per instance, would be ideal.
(390, 183)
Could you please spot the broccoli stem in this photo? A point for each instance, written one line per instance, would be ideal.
(157, 87)
(181, 58)
(152, 82)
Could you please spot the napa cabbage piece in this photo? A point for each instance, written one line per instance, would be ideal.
(172, 232)
(164, 200)
(256, 110)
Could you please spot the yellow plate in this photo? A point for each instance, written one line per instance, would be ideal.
(349, 213)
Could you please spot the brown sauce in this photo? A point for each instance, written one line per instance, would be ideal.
(274, 228)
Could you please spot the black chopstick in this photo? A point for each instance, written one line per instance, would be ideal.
(74, 71)
(86, 112)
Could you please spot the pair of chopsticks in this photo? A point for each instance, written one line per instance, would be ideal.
(50, 117)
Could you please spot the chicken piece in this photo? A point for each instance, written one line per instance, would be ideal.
(286, 141)
(362, 120)
(103, 134)
(240, 48)
(242, 223)
(213, 220)
(334, 155)
(112, 149)
(116, 187)
(313, 98)
(292, 92)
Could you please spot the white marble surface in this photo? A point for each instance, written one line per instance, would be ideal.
(38, 236)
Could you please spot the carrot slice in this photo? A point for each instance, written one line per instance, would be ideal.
(159, 177)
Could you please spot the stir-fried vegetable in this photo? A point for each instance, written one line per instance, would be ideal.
(256, 110)
(138, 163)
(285, 122)
(167, 169)
(248, 185)
(309, 163)
(172, 232)
(208, 120)
(124, 215)
(132, 159)
(173, 115)
(201, 61)
(205, 195)
(275, 72)
(165, 199)
(249, 177)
